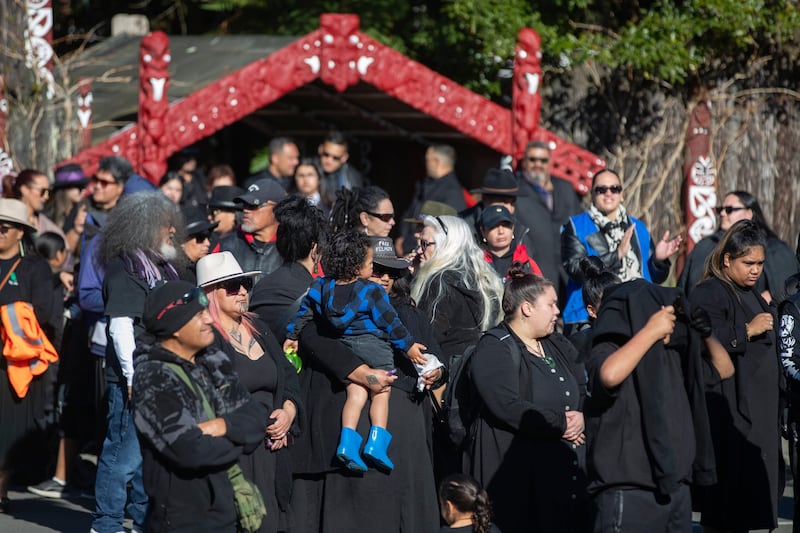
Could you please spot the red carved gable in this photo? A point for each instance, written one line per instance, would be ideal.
(340, 55)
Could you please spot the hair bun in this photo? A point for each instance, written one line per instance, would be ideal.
(517, 270)
(591, 267)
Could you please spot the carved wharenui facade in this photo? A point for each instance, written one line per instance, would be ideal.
(339, 55)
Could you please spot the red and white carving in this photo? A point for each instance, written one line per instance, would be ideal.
(39, 41)
(340, 55)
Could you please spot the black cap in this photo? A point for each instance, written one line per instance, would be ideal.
(383, 254)
(170, 306)
(493, 215)
(263, 191)
(222, 197)
(197, 221)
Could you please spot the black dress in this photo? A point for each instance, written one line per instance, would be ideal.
(743, 412)
(329, 498)
(31, 282)
(271, 380)
(534, 478)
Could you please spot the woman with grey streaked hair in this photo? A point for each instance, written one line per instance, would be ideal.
(455, 286)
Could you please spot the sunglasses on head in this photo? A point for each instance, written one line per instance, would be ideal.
(728, 209)
(194, 294)
(613, 189)
(385, 217)
(441, 223)
(232, 286)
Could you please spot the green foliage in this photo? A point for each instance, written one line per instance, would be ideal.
(472, 41)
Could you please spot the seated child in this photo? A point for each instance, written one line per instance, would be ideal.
(360, 311)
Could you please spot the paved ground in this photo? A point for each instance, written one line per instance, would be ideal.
(32, 514)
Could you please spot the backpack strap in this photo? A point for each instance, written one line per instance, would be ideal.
(503, 335)
(181, 373)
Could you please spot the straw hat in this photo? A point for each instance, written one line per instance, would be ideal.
(222, 266)
(15, 211)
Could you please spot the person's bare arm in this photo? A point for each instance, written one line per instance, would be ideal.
(720, 357)
(620, 364)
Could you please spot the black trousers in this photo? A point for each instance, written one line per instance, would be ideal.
(634, 510)
(793, 430)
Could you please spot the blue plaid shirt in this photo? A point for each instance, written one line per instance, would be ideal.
(367, 311)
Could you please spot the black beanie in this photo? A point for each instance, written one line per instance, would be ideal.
(170, 306)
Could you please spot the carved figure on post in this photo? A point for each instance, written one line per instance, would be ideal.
(339, 54)
(85, 113)
(700, 192)
(526, 99)
(154, 59)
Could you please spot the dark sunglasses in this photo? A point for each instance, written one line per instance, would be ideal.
(602, 189)
(4, 228)
(727, 208)
(385, 217)
(44, 191)
(232, 286)
(538, 159)
(378, 272)
(194, 294)
(200, 238)
(334, 157)
(102, 183)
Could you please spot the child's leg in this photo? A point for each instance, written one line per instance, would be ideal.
(354, 404)
(379, 408)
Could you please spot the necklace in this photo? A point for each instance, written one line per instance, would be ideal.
(539, 352)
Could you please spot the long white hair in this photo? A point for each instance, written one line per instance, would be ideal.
(457, 252)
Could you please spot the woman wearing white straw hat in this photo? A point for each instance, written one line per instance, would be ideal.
(23, 278)
(264, 370)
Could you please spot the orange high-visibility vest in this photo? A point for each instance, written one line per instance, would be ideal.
(25, 346)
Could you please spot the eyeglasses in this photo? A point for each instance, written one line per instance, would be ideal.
(728, 209)
(200, 238)
(101, 182)
(613, 189)
(194, 294)
(43, 191)
(232, 286)
(423, 245)
(378, 272)
(332, 156)
(441, 223)
(5, 227)
(385, 217)
(542, 160)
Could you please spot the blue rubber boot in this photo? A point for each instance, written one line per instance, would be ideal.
(347, 452)
(375, 449)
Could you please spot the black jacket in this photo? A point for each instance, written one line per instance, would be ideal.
(185, 472)
(545, 225)
(252, 254)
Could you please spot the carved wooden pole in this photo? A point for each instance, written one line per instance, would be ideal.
(84, 113)
(154, 59)
(700, 172)
(526, 100)
(39, 45)
(3, 115)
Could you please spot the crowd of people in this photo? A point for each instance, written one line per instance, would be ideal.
(273, 353)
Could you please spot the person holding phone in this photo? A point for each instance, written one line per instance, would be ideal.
(268, 376)
(621, 241)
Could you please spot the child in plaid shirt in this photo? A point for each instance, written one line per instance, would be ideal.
(360, 311)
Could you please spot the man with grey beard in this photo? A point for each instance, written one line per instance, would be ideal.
(137, 251)
(253, 245)
(544, 204)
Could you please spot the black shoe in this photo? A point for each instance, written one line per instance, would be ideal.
(5, 505)
(50, 488)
